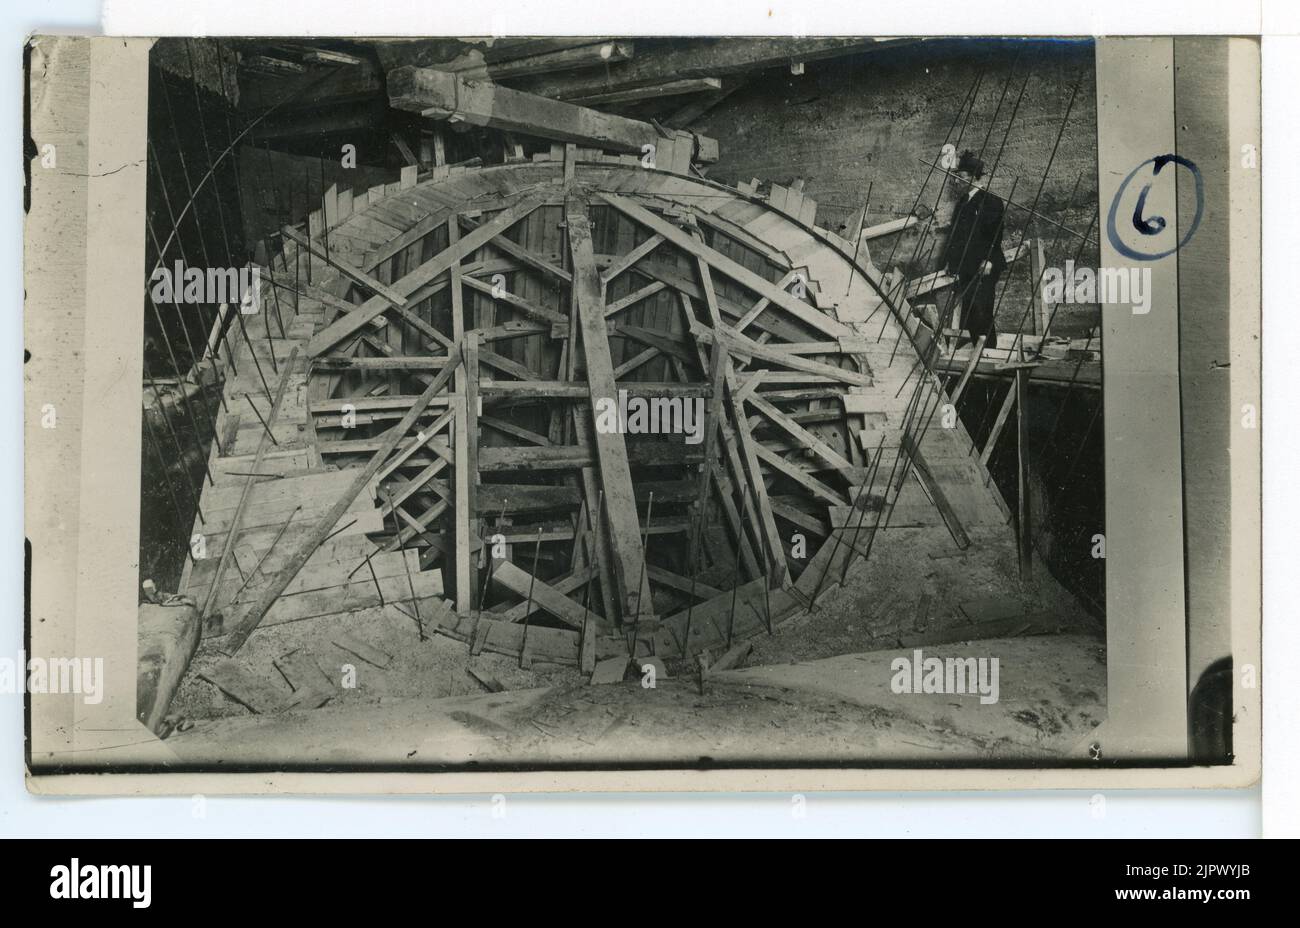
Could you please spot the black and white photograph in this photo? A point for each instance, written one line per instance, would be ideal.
(635, 405)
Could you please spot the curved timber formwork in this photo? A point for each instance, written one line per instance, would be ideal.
(448, 352)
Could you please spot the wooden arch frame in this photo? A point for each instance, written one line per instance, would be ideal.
(817, 406)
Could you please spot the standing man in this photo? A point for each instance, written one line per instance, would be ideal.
(973, 253)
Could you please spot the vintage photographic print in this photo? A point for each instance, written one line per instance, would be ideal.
(616, 412)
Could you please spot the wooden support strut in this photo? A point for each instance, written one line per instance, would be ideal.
(245, 495)
(280, 582)
(341, 328)
(611, 450)
(1004, 413)
(741, 457)
(1023, 538)
(727, 267)
(934, 490)
(462, 437)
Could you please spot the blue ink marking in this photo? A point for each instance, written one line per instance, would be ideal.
(1152, 225)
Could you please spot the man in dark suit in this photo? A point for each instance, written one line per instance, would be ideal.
(973, 253)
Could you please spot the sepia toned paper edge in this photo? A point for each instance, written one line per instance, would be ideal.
(84, 527)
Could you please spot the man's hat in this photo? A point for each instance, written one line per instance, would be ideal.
(970, 163)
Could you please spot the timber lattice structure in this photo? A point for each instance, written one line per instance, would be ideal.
(433, 356)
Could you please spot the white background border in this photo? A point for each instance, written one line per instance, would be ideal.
(1074, 813)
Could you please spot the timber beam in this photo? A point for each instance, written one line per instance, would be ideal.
(637, 604)
(441, 95)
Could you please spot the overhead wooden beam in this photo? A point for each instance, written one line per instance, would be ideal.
(325, 56)
(265, 64)
(564, 59)
(650, 91)
(696, 108)
(341, 328)
(635, 599)
(442, 95)
(699, 58)
(459, 54)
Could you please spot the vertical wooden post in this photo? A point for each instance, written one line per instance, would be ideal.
(461, 491)
(471, 372)
(439, 148)
(462, 438)
(1022, 470)
(634, 598)
(1037, 320)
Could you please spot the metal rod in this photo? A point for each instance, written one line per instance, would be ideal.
(410, 583)
(1035, 285)
(862, 225)
(735, 588)
(249, 128)
(196, 360)
(337, 530)
(203, 134)
(261, 560)
(532, 578)
(1028, 209)
(195, 431)
(252, 353)
(645, 544)
(745, 500)
(185, 403)
(487, 573)
(1006, 85)
(185, 173)
(167, 481)
(267, 428)
(375, 578)
(180, 245)
(1015, 109)
(180, 454)
(967, 105)
(857, 529)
